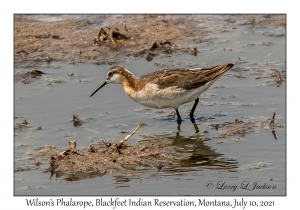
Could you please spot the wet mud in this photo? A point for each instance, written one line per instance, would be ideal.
(28, 76)
(97, 161)
(238, 127)
(24, 125)
(37, 43)
(72, 40)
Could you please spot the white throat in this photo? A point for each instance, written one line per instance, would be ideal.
(115, 79)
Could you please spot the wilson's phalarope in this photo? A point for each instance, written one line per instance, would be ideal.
(167, 88)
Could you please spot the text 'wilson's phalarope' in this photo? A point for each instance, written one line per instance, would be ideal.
(167, 88)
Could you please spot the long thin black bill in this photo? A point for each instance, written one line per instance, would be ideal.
(98, 88)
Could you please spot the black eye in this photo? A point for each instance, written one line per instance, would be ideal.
(110, 74)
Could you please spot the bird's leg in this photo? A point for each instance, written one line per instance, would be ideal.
(178, 120)
(192, 115)
(193, 110)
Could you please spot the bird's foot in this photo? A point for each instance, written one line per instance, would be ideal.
(196, 128)
(178, 128)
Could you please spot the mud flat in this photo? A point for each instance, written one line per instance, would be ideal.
(72, 40)
(66, 38)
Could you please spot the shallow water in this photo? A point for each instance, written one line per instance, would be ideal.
(225, 163)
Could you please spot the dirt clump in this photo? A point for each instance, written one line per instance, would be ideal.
(21, 126)
(108, 159)
(28, 76)
(238, 127)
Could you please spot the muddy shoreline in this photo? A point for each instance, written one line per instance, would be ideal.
(39, 41)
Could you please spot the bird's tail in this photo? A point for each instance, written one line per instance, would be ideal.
(213, 72)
